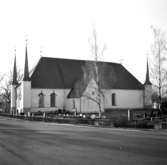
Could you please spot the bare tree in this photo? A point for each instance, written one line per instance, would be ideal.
(1, 78)
(6, 87)
(93, 70)
(159, 52)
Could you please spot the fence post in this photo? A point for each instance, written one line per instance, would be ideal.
(130, 115)
(44, 116)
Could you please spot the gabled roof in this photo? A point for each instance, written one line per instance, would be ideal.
(58, 73)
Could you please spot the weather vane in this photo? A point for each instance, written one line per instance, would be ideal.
(15, 50)
(41, 51)
(26, 40)
(121, 60)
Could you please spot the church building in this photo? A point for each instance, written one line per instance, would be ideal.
(75, 85)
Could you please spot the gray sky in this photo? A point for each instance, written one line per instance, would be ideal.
(62, 29)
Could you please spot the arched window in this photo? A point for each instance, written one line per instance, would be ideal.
(52, 99)
(41, 100)
(113, 99)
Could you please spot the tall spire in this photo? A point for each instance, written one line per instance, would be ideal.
(14, 80)
(26, 70)
(147, 81)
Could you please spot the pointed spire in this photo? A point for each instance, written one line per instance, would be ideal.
(147, 81)
(14, 81)
(26, 70)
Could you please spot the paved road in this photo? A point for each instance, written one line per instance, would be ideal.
(37, 143)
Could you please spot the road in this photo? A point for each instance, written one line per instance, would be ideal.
(39, 143)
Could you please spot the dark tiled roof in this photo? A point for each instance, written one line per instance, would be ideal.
(56, 73)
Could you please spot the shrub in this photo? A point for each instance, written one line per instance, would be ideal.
(120, 123)
(133, 124)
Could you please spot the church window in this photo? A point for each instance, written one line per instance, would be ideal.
(53, 99)
(41, 100)
(113, 99)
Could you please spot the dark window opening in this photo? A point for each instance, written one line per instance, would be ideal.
(113, 99)
(41, 100)
(53, 100)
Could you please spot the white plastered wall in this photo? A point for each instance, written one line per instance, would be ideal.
(81, 104)
(19, 99)
(148, 95)
(90, 100)
(61, 100)
(124, 98)
(26, 95)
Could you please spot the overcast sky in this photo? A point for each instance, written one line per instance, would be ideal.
(62, 29)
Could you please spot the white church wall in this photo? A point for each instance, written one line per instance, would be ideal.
(19, 99)
(69, 104)
(22, 95)
(87, 105)
(20, 102)
(148, 95)
(90, 96)
(78, 104)
(124, 98)
(81, 105)
(26, 89)
(61, 100)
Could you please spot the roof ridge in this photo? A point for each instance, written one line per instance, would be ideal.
(60, 58)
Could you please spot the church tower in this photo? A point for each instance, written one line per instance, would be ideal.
(147, 89)
(26, 86)
(13, 88)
